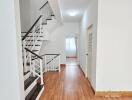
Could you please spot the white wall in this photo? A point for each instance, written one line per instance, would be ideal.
(71, 29)
(11, 69)
(25, 9)
(35, 6)
(114, 46)
(89, 18)
(112, 35)
(30, 12)
(56, 44)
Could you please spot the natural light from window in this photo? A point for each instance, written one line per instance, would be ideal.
(70, 44)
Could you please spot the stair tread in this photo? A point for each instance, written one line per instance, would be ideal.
(29, 81)
(52, 15)
(35, 92)
(44, 23)
(33, 40)
(26, 72)
(32, 44)
(33, 36)
(49, 19)
(35, 50)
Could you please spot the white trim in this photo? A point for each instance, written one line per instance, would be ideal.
(86, 67)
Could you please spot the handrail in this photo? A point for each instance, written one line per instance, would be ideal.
(33, 53)
(31, 28)
(53, 59)
(47, 55)
(43, 5)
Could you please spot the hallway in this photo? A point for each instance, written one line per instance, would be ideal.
(69, 84)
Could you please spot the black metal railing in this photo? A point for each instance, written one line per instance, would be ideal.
(33, 53)
(52, 58)
(43, 5)
(29, 31)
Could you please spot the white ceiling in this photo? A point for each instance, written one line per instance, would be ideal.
(76, 6)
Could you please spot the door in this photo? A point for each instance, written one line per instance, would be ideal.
(89, 56)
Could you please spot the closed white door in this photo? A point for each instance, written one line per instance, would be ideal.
(89, 56)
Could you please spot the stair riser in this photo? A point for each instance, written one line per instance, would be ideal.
(40, 93)
(26, 76)
(30, 87)
(27, 69)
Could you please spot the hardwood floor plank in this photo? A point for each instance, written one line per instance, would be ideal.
(70, 84)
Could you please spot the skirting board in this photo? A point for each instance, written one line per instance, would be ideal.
(91, 86)
(114, 94)
(82, 70)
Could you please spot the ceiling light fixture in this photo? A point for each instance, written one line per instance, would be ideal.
(73, 13)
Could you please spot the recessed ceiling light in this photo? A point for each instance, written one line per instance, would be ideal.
(73, 13)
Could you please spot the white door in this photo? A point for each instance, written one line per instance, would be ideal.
(89, 56)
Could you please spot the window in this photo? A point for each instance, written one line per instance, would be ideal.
(70, 44)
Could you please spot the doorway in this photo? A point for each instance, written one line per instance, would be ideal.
(71, 47)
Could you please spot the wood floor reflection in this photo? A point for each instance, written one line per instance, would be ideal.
(70, 84)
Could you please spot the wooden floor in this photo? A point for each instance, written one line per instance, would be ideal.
(70, 84)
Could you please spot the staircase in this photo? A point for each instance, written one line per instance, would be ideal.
(35, 65)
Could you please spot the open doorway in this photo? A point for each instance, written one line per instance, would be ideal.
(71, 47)
(71, 50)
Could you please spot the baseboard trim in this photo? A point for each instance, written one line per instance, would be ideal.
(82, 70)
(93, 90)
(63, 65)
(114, 94)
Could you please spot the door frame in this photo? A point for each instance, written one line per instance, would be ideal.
(89, 31)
